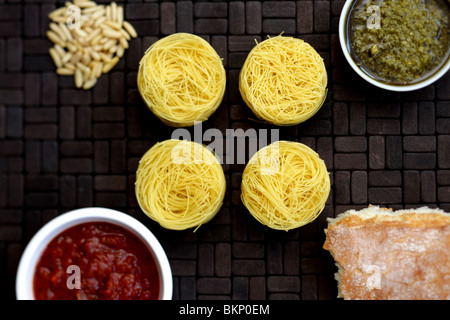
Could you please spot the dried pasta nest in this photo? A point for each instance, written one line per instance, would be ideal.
(285, 185)
(283, 81)
(181, 78)
(180, 184)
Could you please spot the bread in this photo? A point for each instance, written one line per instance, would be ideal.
(383, 254)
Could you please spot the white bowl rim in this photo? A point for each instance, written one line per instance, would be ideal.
(400, 88)
(29, 258)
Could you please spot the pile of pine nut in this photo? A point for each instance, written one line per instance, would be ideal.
(89, 39)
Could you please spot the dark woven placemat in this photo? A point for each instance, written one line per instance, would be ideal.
(63, 148)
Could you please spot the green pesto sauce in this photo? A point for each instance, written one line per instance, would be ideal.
(412, 38)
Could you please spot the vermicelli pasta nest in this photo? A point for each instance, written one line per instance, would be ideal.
(181, 78)
(285, 185)
(180, 184)
(283, 81)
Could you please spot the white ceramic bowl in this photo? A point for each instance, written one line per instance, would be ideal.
(431, 78)
(34, 249)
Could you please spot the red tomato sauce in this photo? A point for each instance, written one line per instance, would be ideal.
(114, 264)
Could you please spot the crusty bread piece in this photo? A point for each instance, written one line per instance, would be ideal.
(383, 254)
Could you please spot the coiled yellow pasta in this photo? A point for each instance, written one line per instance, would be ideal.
(285, 185)
(283, 81)
(181, 78)
(180, 184)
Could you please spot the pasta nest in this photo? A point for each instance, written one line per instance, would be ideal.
(285, 185)
(283, 81)
(181, 79)
(180, 184)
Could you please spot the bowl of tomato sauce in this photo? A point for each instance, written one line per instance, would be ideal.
(94, 254)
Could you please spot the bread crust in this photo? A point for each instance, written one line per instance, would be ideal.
(383, 254)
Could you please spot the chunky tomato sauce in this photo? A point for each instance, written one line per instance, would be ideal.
(114, 264)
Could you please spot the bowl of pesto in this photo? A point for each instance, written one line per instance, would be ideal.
(397, 45)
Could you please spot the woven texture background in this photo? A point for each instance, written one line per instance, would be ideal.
(62, 148)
